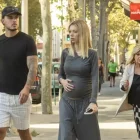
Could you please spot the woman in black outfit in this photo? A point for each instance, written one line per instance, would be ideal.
(79, 77)
(101, 74)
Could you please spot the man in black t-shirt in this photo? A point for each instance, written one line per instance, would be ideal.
(18, 66)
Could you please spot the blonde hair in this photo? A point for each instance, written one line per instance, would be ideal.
(84, 38)
(131, 60)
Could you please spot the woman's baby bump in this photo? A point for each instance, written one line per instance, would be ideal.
(82, 87)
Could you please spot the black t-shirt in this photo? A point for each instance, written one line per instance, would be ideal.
(13, 61)
(134, 93)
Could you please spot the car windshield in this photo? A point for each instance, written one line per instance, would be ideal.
(55, 67)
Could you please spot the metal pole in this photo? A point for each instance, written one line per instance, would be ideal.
(24, 19)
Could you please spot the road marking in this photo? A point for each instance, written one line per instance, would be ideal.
(109, 125)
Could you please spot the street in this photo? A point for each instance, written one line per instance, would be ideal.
(111, 127)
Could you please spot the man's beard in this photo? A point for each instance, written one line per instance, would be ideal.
(12, 30)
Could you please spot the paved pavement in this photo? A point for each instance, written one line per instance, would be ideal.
(121, 127)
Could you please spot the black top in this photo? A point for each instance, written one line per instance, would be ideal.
(134, 93)
(82, 72)
(13, 57)
(101, 70)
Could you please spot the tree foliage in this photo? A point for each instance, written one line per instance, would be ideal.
(35, 26)
(120, 26)
(4, 3)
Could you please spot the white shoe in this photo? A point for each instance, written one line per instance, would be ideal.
(99, 93)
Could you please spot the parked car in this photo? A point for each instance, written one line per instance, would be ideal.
(36, 88)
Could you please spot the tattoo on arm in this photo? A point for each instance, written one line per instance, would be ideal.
(32, 66)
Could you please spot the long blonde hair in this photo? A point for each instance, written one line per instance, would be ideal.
(135, 51)
(84, 38)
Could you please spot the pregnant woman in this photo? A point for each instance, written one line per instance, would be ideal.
(79, 77)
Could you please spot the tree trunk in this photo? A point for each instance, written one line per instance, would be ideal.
(104, 34)
(82, 6)
(103, 43)
(101, 28)
(93, 22)
(46, 58)
(70, 10)
(105, 53)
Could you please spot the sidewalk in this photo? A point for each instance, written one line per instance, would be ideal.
(112, 128)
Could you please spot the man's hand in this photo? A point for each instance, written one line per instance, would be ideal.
(24, 94)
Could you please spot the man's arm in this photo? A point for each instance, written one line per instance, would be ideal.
(32, 66)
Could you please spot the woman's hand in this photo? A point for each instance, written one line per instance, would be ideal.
(126, 85)
(93, 107)
(66, 84)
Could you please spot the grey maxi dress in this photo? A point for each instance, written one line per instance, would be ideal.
(84, 75)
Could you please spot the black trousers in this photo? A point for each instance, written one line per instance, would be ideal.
(74, 124)
(101, 81)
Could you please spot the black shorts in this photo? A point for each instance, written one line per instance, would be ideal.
(112, 74)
